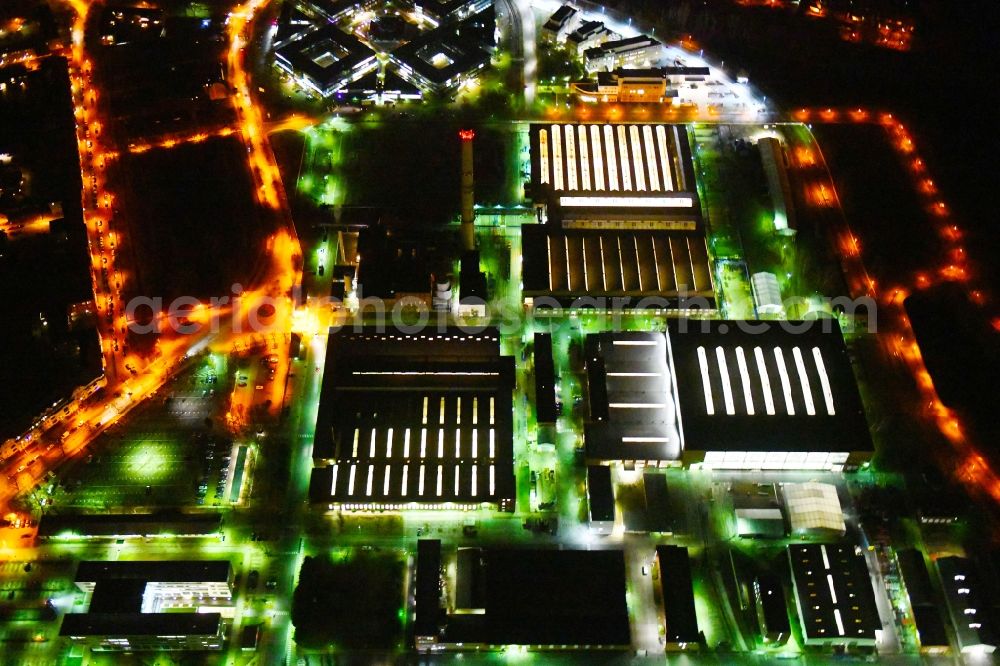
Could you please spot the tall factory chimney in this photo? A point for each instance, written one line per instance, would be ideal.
(468, 192)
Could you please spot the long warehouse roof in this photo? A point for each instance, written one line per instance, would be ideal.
(615, 160)
(568, 263)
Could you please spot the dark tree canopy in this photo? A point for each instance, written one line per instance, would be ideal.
(353, 603)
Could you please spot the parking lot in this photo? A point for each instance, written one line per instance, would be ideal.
(168, 453)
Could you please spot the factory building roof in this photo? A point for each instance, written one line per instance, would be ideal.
(968, 603)
(751, 389)
(915, 576)
(773, 612)
(728, 395)
(613, 160)
(470, 583)
(160, 571)
(834, 595)
(56, 526)
(600, 494)
(766, 293)
(676, 589)
(550, 598)
(141, 624)
(658, 514)
(920, 591)
(623, 218)
(760, 522)
(633, 409)
(813, 508)
(423, 418)
(427, 597)
(930, 627)
(545, 379)
(642, 269)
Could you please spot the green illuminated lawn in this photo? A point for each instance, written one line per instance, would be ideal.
(119, 476)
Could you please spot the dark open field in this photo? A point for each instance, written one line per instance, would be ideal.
(414, 170)
(192, 218)
(881, 204)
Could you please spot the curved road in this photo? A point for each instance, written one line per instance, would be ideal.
(520, 17)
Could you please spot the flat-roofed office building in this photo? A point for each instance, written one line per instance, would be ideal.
(640, 50)
(151, 605)
(325, 60)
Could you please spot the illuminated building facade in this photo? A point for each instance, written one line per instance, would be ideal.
(562, 21)
(453, 54)
(339, 46)
(589, 35)
(326, 60)
(628, 86)
(442, 11)
(134, 605)
(639, 51)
